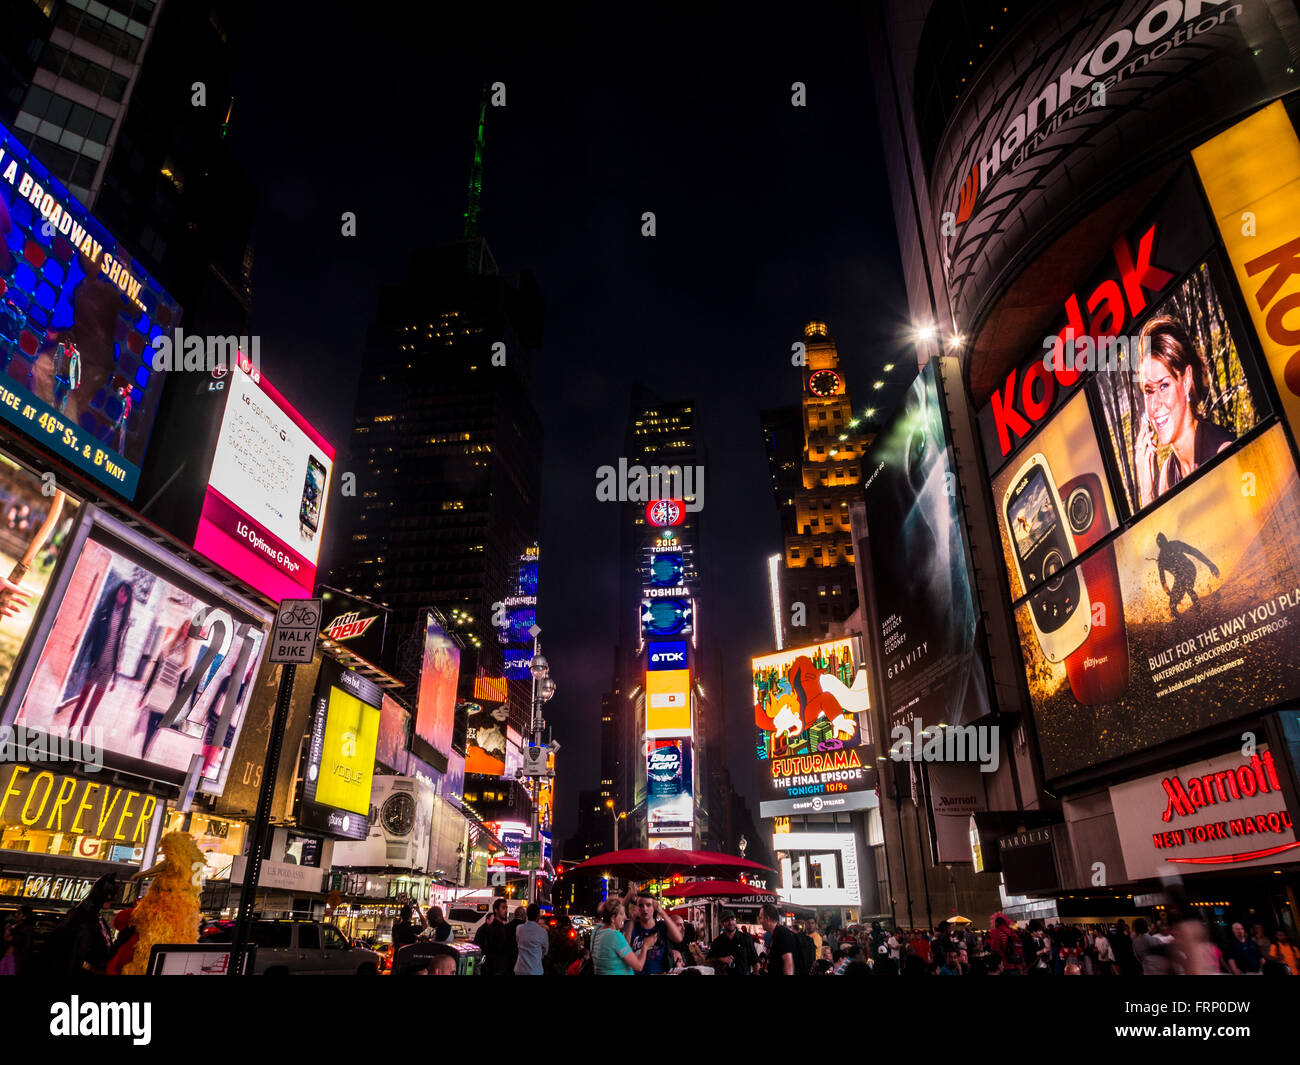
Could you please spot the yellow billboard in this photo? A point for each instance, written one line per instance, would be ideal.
(348, 753)
(1251, 176)
(668, 702)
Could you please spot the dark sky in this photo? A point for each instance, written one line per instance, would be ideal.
(768, 215)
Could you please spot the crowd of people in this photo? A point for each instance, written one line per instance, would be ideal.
(1145, 948)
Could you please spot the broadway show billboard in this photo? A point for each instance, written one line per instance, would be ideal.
(931, 632)
(78, 318)
(815, 749)
(1207, 586)
(145, 657)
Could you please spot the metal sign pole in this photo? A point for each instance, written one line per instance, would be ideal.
(262, 821)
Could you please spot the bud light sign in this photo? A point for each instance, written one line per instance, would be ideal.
(668, 654)
(668, 778)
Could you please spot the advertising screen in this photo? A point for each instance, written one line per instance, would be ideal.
(353, 626)
(818, 868)
(264, 508)
(401, 830)
(32, 521)
(78, 318)
(1205, 593)
(931, 630)
(341, 754)
(435, 712)
(485, 739)
(670, 801)
(815, 747)
(394, 735)
(668, 702)
(666, 617)
(1223, 813)
(138, 657)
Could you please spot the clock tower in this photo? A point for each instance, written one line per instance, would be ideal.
(818, 569)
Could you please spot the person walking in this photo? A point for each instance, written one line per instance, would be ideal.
(611, 955)
(532, 942)
(1285, 951)
(1122, 945)
(496, 938)
(1242, 954)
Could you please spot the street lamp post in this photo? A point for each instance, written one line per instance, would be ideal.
(609, 804)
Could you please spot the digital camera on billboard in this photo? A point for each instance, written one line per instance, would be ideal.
(1098, 670)
(1044, 546)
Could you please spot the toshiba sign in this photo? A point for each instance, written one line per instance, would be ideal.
(1224, 813)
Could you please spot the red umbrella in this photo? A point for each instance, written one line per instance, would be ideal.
(639, 863)
(720, 891)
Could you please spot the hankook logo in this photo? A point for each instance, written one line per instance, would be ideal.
(1075, 88)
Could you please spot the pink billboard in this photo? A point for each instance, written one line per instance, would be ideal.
(264, 508)
(435, 711)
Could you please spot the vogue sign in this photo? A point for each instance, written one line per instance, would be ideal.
(1223, 813)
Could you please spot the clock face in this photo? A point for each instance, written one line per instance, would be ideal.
(398, 814)
(824, 383)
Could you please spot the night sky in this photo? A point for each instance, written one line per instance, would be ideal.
(768, 216)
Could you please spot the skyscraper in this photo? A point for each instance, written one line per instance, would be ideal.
(666, 728)
(815, 470)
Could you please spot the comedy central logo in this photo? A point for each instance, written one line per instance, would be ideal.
(1083, 84)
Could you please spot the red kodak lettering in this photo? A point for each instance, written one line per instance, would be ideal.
(1142, 274)
(1006, 417)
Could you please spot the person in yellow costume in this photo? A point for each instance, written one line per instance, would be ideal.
(169, 911)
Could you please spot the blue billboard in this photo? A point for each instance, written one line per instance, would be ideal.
(666, 617)
(78, 318)
(667, 569)
(667, 654)
(669, 801)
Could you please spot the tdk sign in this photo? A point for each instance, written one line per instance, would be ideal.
(668, 654)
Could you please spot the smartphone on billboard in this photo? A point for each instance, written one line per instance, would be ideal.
(1043, 548)
(1098, 669)
(313, 490)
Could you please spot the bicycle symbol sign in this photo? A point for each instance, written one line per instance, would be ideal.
(297, 624)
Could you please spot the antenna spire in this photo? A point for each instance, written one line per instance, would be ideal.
(476, 174)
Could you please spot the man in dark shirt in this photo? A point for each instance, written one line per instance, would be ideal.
(731, 948)
(1243, 953)
(496, 937)
(782, 947)
(646, 917)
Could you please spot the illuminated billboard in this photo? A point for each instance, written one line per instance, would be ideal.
(78, 318)
(818, 868)
(144, 655)
(670, 802)
(667, 654)
(815, 748)
(666, 617)
(341, 753)
(930, 629)
(668, 702)
(264, 507)
(1206, 582)
(486, 739)
(435, 713)
(402, 830)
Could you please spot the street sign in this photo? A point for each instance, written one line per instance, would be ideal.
(297, 624)
(530, 855)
